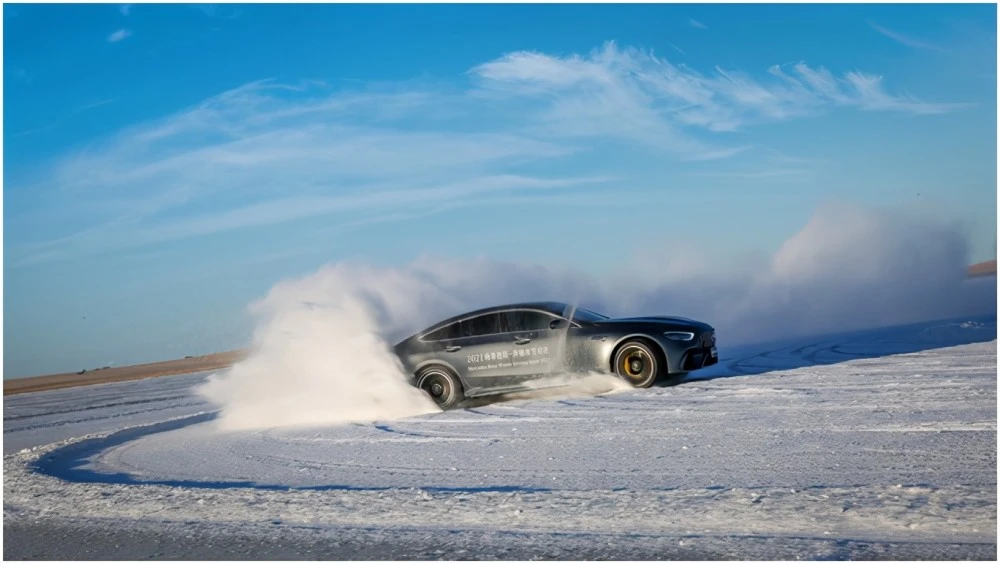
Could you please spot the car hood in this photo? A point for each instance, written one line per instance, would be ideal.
(671, 321)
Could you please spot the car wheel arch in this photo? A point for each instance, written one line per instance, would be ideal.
(649, 341)
(446, 388)
(438, 362)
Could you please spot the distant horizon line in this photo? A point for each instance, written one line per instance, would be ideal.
(214, 361)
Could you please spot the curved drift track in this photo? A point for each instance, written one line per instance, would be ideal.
(883, 438)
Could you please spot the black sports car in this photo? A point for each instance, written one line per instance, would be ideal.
(500, 349)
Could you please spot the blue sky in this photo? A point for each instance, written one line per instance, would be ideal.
(164, 165)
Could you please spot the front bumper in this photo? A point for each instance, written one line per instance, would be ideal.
(699, 358)
(704, 355)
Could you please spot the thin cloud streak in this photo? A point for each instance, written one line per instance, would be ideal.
(119, 35)
(696, 24)
(96, 104)
(282, 210)
(291, 209)
(221, 12)
(35, 130)
(903, 39)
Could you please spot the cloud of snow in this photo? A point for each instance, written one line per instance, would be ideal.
(320, 354)
(848, 268)
(322, 347)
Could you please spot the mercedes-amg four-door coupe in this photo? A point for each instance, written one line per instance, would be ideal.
(503, 349)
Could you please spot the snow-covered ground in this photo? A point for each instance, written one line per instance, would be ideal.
(876, 444)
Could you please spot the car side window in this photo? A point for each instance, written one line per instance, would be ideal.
(528, 320)
(447, 332)
(487, 324)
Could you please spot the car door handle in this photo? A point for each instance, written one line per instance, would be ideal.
(522, 341)
(453, 348)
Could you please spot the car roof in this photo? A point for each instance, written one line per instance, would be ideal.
(556, 308)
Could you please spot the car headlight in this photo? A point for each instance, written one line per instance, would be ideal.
(679, 335)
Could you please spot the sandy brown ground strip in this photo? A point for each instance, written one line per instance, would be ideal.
(204, 363)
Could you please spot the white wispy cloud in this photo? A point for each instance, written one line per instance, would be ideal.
(119, 35)
(280, 210)
(634, 93)
(696, 24)
(905, 40)
(222, 12)
(96, 104)
(220, 165)
(269, 153)
(34, 130)
(871, 96)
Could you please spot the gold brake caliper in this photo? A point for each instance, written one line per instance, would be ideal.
(628, 364)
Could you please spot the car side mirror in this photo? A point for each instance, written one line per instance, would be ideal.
(557, 323)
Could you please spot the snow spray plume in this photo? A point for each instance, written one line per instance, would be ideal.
(322, 346)
(318, 357)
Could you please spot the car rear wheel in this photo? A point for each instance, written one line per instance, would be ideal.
(442, 385)
(638, 364)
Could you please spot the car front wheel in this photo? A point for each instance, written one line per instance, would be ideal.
(442, 385)
(638, 364)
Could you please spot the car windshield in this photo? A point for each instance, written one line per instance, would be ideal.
(586, 315)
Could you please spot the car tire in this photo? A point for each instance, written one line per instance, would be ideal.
(639, 363)
(442, 385)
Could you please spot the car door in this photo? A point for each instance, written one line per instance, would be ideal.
(477, 352)
(535, 346)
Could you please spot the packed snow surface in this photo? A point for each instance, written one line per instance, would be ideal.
(876, 436)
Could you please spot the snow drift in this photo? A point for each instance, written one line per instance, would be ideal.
(322, 346)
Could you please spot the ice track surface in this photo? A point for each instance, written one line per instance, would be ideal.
(877, 444)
